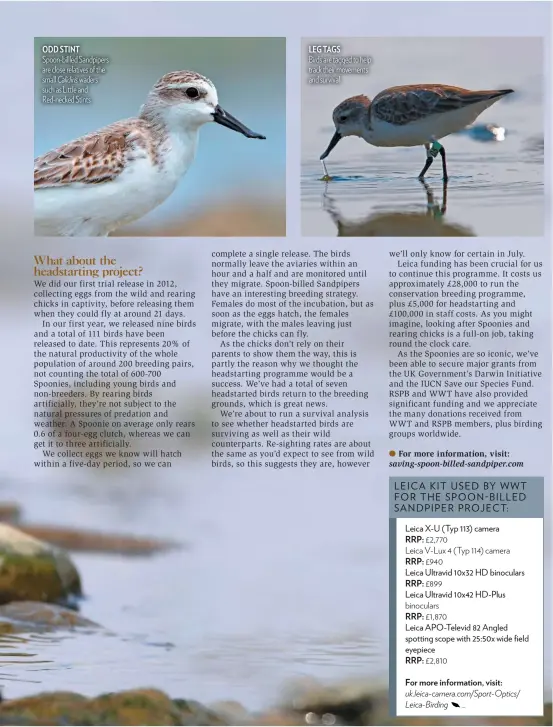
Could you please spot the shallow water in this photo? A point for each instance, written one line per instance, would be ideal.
(494, 195)
(495, 187)
(217, 620)
(285, 575)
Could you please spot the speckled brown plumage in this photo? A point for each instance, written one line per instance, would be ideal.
(401, 105)
(180, 77)
(99, 156)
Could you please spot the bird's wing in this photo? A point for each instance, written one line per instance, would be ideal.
(403, 104)
(92, 159)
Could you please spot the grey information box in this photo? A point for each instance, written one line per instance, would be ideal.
(469, 497)
(452, 497)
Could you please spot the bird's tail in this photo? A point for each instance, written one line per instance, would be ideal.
(479, 96)
(498, 94)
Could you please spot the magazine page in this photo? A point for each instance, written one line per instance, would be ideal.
(276, 444)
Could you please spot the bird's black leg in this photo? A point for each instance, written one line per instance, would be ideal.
(444, 196)
(431, 154)
(444, 166)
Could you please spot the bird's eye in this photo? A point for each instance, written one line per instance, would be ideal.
(192, 92)
(341, 119)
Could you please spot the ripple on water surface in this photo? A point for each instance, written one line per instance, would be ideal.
(481, 178)
(247, 669)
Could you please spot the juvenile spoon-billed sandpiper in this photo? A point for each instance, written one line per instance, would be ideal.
(411, 116)
(108, 178)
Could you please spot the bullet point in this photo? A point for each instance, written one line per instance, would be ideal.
(392, 453)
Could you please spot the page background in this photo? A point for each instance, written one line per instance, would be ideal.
(267, 525)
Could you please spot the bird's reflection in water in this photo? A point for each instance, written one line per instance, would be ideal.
(435, 209)
(399, 223)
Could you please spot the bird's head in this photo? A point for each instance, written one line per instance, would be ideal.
(188, 99)
(348, 118)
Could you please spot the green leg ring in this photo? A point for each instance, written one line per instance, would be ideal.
(434, 149)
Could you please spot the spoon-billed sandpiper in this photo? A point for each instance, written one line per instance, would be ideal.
(411, 116)
(108, 178)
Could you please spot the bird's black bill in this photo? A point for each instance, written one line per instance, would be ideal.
(335, 139)
(220, 116)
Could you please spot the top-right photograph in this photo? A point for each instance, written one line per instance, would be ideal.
(423, 137)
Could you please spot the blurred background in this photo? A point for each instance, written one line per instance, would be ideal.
(236, 186)
(284, 575)
(496, 167)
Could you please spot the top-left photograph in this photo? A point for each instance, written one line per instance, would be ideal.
(160, 137)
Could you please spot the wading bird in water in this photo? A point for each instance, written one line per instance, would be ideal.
(410, 116)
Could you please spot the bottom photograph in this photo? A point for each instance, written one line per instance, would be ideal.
(265, 486)
(252, 473)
